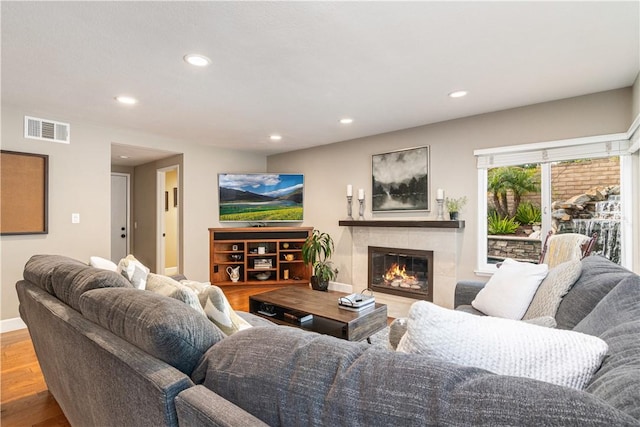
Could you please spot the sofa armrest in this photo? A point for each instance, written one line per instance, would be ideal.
(199, 406)
(466, 291)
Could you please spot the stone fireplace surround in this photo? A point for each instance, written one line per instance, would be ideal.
(444, 238)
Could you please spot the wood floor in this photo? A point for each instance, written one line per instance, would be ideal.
(25, 400)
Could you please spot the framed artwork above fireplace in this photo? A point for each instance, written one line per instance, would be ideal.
(400, 180)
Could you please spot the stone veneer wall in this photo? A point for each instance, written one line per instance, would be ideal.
(518, 248)
(446, 245)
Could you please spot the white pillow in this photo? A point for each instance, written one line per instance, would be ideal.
(217, 307)
(503, 346)
(196, 286)
(166, 286)
(555, 286)
(134, 271)
(510, 290)
(103, 263)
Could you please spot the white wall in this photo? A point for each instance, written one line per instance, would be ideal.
(79, 181)
(328, 169)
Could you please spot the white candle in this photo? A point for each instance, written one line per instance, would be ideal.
(361, 194)
(440, 194)
(349, 190)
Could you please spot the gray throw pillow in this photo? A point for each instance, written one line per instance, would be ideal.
(555, 286)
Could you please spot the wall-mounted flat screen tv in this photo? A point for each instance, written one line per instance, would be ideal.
(261, 197)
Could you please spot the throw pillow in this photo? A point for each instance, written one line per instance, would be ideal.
(196, 286)
(219, 311)
(555, 286)
(134, 271)
(168, 287)
(503, 346)
(510, 290)
(103, 263)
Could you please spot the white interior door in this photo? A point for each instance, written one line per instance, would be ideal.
(119, 216)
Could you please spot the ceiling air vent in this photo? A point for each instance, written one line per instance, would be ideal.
(46, 130)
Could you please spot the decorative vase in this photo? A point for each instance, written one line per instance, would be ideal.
(453, 216)
(319, 285)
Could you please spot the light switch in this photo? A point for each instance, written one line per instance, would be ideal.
(75, 218)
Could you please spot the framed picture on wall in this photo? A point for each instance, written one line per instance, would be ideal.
(400, 180)
(24, 196)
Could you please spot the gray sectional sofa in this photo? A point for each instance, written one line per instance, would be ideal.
(115, 355)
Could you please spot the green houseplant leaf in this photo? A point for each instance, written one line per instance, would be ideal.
(316, 252)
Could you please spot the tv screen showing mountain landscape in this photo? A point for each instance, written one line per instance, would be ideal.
(260, 197)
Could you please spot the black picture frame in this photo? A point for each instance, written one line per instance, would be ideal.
(400, 180)
(175, 197)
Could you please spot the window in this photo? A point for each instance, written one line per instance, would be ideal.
(581, 185)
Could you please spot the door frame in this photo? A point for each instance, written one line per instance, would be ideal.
(127, 176)
(160, 224)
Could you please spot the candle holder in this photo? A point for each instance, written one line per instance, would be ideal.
(440, 209)
(361, 210)
(349, 200)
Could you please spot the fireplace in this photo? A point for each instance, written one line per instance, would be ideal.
(404, 272)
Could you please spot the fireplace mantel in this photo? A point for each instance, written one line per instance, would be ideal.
(409, 223)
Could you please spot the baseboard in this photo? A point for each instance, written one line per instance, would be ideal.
(9, 325)
(340, 287)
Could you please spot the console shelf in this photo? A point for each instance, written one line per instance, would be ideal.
(264, 256)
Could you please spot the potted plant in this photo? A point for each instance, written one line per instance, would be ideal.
(454, 206)
(316, 251)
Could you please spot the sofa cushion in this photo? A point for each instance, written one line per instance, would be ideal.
(619, 306)
(70, 281)
(555, 286)
(598, 277)
(618, 380)
(168, 287)
(161, 326)
(39, 268)
(287, 376)
(510, 290)
(503, 346)
(616, 319)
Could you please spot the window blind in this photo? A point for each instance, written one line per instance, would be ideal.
(579, 148)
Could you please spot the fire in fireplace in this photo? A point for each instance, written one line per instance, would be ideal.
(404, 272)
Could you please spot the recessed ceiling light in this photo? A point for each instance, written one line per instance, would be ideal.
(275, 137)
(458, 94)
(124, 157)
(124, 99)
(346, 121)
(197, 60)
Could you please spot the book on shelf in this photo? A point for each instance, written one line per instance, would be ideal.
(297, 317)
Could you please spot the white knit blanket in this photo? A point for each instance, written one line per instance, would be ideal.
(503, 346)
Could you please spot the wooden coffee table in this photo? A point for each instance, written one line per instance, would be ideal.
(326, 317)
